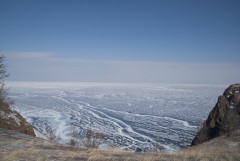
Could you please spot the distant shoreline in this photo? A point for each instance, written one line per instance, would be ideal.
(39, 84)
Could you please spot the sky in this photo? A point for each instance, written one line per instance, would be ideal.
(121, 41)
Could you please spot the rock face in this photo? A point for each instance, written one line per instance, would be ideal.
(224, 118)
(12, 120)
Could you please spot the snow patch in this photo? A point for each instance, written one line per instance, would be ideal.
(11, 115)
(39, 135)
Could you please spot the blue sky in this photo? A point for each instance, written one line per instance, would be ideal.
(160, 41)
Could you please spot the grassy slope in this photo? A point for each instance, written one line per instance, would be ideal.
(16, 146)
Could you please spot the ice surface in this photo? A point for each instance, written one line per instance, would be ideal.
(130, 115)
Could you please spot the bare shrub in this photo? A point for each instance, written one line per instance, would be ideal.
(4, 74)
(98, 137)
(52, 135)
(158, 145)
(73, 137)
(89, 136)
(94, 139)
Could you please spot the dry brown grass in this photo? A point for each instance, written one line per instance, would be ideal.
(12, 149)
(211, 154)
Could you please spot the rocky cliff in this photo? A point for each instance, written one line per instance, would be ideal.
(12, 120)
(224, 118)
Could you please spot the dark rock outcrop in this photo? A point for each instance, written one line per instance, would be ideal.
(224, 118)
(12, 120)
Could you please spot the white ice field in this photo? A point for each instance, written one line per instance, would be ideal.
(130, 115)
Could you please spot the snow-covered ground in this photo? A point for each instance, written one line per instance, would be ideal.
(130, 115)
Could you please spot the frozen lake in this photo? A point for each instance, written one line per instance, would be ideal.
(130, 115)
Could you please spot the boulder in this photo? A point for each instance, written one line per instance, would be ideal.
(12, 120)
(224, 117)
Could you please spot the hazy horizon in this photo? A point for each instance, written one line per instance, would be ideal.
(78, 83)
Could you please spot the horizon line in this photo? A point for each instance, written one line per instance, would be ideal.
(109, 83)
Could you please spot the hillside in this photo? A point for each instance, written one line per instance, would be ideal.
(224, 117)
(17, 146)
(12, 120)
